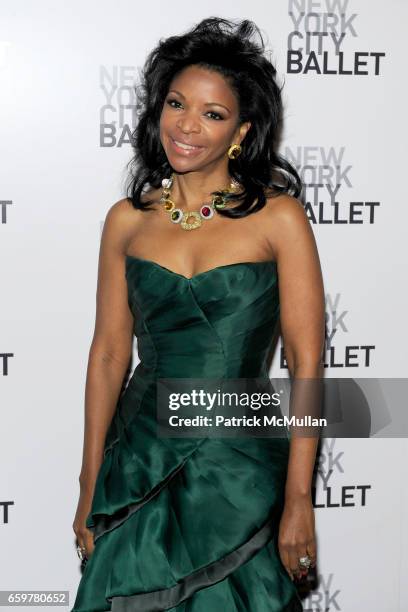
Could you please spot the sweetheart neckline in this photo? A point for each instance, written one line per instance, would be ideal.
(204, 272)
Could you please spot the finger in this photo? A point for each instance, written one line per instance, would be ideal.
(89, 543)
(297, 574)
(284, 555)
(305, 551)
(312, 552)
(294, 563)
(80, 542)
(82, 549)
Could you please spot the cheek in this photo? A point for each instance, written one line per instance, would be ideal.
(164, 125)
(162, 120)
(221, 133)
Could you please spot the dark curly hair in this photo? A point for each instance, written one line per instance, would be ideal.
(228, 48)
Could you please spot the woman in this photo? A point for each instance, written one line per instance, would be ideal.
(200, 524)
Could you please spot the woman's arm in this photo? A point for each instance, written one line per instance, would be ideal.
(111, 346)
(302, 317)
(109, 356)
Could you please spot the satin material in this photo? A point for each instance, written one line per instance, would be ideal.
(190, 524)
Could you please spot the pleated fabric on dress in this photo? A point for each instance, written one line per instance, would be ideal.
(190, 524)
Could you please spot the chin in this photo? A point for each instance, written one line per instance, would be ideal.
(183, 165)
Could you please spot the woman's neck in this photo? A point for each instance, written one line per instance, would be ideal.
(191, 189)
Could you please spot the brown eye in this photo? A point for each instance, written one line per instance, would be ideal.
(170, 101)
(217, 116)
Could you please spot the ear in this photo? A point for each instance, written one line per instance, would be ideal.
(243, 130)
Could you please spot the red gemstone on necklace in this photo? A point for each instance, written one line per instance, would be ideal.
(206, 211)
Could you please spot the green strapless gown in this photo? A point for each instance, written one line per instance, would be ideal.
(190, 525)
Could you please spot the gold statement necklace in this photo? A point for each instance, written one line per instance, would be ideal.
(177, 215)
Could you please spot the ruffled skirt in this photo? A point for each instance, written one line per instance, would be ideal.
(185, 525)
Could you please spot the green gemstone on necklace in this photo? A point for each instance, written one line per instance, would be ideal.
(190, 220)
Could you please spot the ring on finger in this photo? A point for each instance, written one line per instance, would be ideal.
(81, 550)
(305, 562)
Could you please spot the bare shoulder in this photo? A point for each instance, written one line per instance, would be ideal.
(119, 211)
(120, 221)
(286, 223)
(285, 208)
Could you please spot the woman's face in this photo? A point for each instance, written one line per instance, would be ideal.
(200, 110)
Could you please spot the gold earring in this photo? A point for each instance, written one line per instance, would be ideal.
(234, 151)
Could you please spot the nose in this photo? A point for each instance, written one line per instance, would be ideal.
(188, 123)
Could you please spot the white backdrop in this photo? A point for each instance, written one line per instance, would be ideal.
(58, 179)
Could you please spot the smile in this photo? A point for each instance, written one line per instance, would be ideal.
(185, 147)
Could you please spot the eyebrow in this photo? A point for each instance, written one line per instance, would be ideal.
(206, 104)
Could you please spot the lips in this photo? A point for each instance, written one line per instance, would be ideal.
(185, 149)
(185, 145)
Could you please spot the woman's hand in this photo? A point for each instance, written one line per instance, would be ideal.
(297, 534)
(83, 534)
